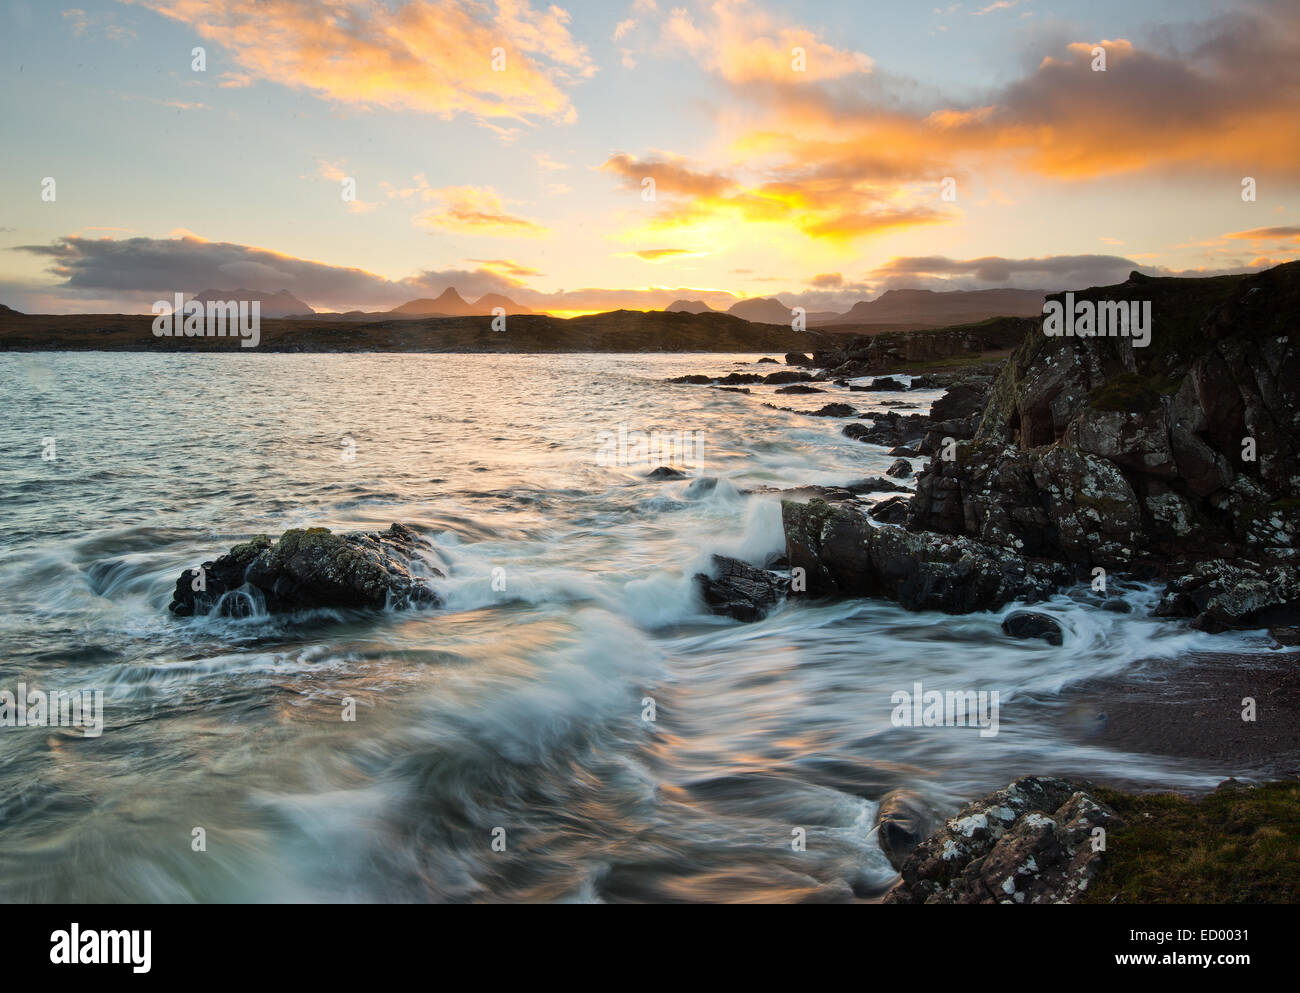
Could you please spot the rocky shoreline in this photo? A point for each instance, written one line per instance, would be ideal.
(1085, 461)
(1076, 462)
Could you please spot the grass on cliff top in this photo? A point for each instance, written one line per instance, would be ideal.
(1236, 845)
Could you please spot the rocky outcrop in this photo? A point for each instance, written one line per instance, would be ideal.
(311, 568)
(1032, 842)
(1099, 453)
(737, 589)
(1219, 595)
(843, 553)
(1102, 453)
(863, 356)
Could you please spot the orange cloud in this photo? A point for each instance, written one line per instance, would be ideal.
(1226, 107)
(476, 210)
(746, 45)
(835, 207)
(418, 55)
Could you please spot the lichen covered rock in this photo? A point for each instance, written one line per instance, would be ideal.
(310, 568)
(1032, 842)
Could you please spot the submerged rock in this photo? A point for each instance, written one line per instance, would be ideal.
(665, 472)
(739, 590)
(307, 569)
(1028, 843)
(1032, 624)
(903, 820)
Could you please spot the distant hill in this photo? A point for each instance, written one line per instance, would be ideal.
(279, 304)
(689, 307)
(452, 304)
(942, 307)
(10, 312)
(615, 331)
(761, 310)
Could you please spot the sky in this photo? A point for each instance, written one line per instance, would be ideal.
(818, 152)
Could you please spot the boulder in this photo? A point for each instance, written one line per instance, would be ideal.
(1028, 843)
(1219, 595)
(891, 511)
(1032, 624)
(903, 820)
(899, 469)
(842, 553)
(311, 568)
(664, 472)
(797, 358)
(737, 589)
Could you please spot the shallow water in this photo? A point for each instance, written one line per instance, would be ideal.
(515, 713)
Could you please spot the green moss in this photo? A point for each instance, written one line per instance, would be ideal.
(1132, 393)
(1237, 845)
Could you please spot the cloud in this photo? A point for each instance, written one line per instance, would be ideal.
(508, 267)
(658, 254)
(744, 44)
(1216, 98)
(821, 205)
(125, 276)
(422, 56)
(1051, 272)
(476, 210)
(827, 280)
(1290, 233)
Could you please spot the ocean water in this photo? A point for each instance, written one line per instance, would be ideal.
(501, 749)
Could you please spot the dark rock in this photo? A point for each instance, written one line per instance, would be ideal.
(874, 484)
(900, 469)
(797, 358)
(1028, 843)
(887, 383)
(773, 361)
(664, 472)
(842, 553)
(959, 401)
(739, 590)
(1221, 596)
(800, 388)
(1031, 624)
(1287, 637)
(786, 376)
(903, 820)
(891, 511)
(307, 569)
(834, 410)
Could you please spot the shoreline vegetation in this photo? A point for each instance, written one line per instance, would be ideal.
(1051, 461)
